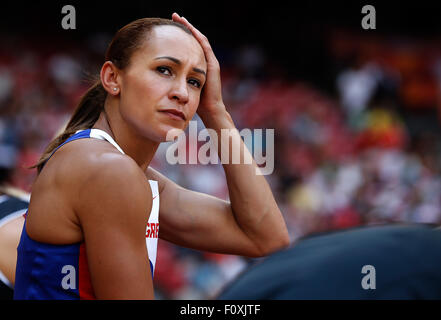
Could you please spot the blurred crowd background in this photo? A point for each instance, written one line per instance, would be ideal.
(355, 113)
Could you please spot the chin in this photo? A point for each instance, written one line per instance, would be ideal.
(171, 134)
(163, 134)
(156, 131)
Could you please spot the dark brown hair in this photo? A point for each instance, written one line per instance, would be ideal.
(125, 42)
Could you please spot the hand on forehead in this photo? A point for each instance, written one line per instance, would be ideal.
(169, 41)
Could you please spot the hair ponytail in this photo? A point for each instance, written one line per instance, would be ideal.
(84, 117)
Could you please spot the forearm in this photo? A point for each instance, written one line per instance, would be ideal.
(252, 202)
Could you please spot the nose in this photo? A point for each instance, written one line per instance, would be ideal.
(179, 91)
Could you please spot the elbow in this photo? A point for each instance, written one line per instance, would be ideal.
(285, 241)
(280, 243)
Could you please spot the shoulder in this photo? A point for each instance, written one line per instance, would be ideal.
(102, 166)
(96, 161)
(111, 172)
(106, 182)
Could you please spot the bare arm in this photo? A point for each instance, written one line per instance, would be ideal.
(252, 202)
(203, 222)
(9, 238)
(115, 203)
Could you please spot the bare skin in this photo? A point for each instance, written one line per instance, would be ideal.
(89, 191)
(10, 233)
(9, 238)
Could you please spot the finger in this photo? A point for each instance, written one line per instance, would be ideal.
(202, 39)
(198, 35)
(195, 31)
(175, 16)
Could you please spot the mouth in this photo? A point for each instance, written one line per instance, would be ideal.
(175, 114)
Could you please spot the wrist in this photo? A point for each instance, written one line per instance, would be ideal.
(219, 112)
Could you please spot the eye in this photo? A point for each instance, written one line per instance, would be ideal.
(195, 83)
(164, 70)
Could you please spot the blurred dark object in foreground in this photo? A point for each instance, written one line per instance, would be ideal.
(406, 258)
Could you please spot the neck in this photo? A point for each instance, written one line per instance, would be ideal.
(139, 148)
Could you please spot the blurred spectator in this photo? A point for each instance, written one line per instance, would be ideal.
(357, 86)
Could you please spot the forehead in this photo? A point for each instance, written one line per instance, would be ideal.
(175, 42)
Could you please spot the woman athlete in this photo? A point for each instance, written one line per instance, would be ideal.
(85, 230)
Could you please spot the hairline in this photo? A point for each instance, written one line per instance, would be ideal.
(147, 35)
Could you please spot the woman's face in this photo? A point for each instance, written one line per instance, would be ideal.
(161, 87)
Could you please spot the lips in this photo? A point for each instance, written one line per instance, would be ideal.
(174, 113)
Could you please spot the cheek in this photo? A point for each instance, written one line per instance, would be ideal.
(136, 102)
(140, 96)
(194, 103)
(145, 89)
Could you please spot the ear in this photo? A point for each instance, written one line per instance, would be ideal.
(110, 78)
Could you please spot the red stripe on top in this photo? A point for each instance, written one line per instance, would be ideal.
(84, 284)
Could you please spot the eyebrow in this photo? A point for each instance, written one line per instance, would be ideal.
(177, 61)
